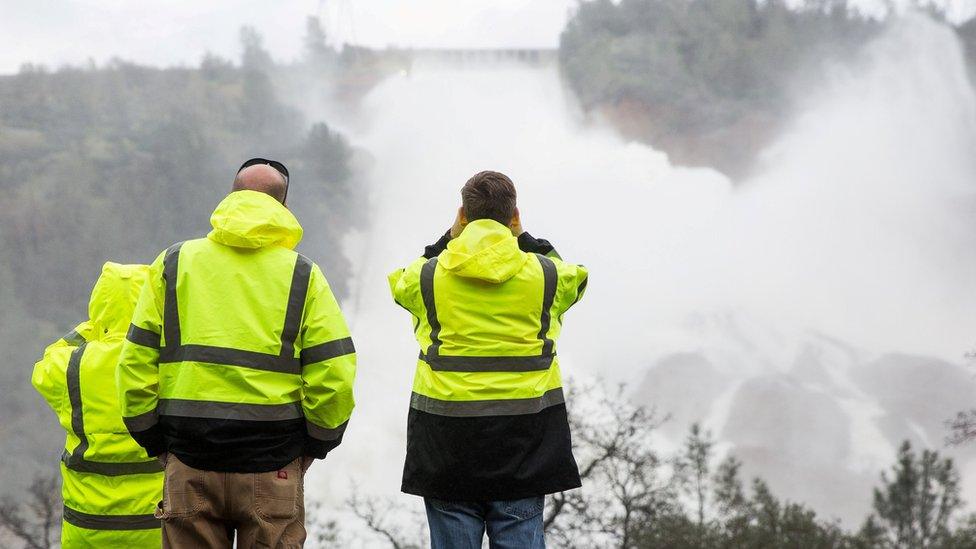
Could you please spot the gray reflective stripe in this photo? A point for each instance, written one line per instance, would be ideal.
(325, 351)
(111, 469)
(443, 363)
(479, 408)
(296, 305)
(283, 362)
(427, 293)
(76, 459)
(141, 422)
(230, 410)
(141, 336)
(110, 522)
(580, 289)
(171, 309)
(230, 357)
(323, 433)
(73, 338)
(73, 375)
(548, 296)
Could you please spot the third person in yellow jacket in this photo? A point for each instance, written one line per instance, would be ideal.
(109, 485)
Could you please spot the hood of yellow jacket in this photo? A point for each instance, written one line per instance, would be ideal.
(113, 299)
(485, 250)
(251, 219)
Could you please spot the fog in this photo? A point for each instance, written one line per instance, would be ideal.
(811, 314)
(854, 229)
(58, 32)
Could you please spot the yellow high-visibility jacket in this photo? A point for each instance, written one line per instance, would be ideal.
(488, 419)
(110, 486)
(238, 358)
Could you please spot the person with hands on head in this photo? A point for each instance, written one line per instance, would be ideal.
(237, 371)
(487, 431)
(526, 242)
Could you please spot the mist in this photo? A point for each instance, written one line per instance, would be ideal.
(810, 306)
(850, 230)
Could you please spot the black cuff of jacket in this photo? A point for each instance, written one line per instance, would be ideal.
(151, 439)
(318, 448)
(436, 248)
(530, 244)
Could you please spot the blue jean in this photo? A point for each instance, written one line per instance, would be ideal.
(515, 524)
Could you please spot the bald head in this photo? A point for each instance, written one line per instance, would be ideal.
(263, 179)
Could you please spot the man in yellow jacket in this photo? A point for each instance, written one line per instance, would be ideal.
(487, 432)
(109, 485)
(238, 372)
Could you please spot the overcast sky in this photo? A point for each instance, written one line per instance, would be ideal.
(172, 32)
(167, 32)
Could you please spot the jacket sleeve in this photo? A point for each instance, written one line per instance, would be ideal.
(436, 248)
(527, 243)
(137, 374)
(328, 369)
(530, 244)
(570, 287)
(50, 376)
(80, 334)
(405, 287)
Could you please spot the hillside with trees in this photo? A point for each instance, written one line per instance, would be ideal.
(710, 83)
(117, 162)
(696, 497)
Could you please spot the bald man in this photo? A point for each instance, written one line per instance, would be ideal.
(262, 178)
(237, 371)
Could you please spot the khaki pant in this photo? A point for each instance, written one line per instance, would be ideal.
(203, 509)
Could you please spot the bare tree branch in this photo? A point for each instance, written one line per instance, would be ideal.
(611, 439)
(375, 514)
(35, 521)
(962, 428)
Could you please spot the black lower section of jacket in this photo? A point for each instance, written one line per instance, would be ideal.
(236, 446)
(489, 458)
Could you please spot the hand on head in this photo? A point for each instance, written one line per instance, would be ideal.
(460, 222)
(516, 224)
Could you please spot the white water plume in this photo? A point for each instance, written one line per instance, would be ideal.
(851, 228)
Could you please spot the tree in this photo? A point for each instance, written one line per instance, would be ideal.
(317, 50)
(628, 486)
(706, 81)
(118, 163)
(36, 521)
(380, 515)
(962, 428)
(214, 67)
(320, 532)
(253, 55)
(695, 464)
(915, 502)
(633, 498)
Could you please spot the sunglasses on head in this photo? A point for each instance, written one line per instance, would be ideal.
(278, 166)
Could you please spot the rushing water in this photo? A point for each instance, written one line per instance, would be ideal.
(858, 226)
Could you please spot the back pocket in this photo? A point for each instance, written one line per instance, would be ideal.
(276, 493)
(523, 509)
(182, 489)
